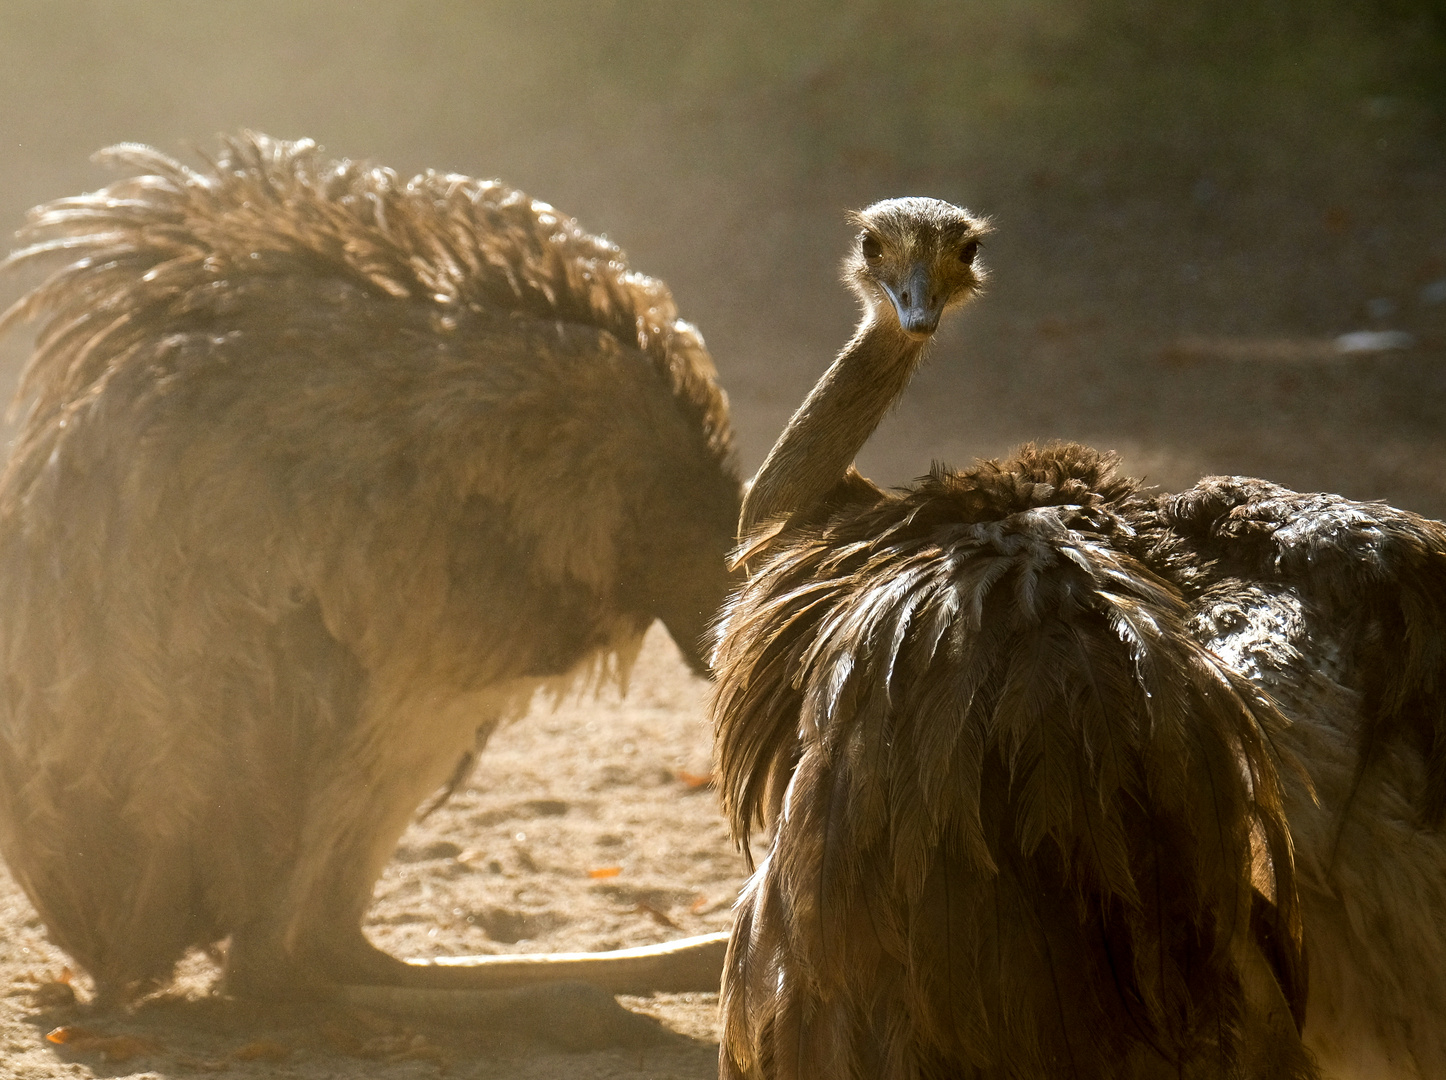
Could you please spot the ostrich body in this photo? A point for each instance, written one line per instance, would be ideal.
(1067, 778)
(324, 473)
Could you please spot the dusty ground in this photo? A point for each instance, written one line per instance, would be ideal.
(1194, 202)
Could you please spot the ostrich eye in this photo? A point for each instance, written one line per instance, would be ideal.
(871, 247)
(968, 251)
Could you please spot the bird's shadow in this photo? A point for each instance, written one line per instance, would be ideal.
(183, 1035)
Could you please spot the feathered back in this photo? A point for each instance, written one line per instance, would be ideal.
(162, 248)
(441, 342)
(1025, 825)
(1374, 574)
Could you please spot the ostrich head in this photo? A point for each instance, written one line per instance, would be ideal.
(917, 258)
(914, 259)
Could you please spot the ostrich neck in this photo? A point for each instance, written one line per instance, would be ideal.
(833, 423)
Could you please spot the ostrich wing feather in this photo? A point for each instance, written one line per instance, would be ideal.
(1019, 801)
(1375, 576)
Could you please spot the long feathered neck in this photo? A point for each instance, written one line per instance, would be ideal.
(833, 423)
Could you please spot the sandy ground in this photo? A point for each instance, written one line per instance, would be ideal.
(1194, 203)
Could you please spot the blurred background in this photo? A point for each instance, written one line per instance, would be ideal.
(1221, 239)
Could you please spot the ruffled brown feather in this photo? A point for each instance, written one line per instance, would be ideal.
(1375, 574)
(1016, 806)
(325, 473)
(167, 245)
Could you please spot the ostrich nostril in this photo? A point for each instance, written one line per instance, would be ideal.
(905, 298)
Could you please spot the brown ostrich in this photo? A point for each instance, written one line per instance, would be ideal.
(323, 474)
(1067, 779)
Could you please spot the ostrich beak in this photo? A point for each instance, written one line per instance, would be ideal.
(917, 302)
